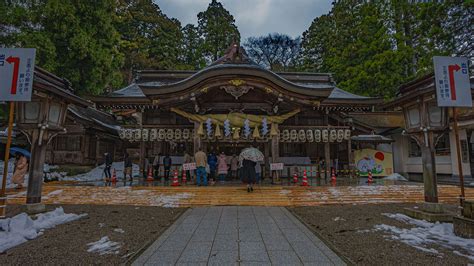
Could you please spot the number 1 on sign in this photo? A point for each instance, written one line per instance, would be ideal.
(16, 66)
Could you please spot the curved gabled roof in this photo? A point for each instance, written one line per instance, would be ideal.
(242, 70)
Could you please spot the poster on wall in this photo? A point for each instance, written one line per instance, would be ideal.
(380, 163)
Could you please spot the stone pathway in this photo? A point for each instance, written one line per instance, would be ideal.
(238, 236)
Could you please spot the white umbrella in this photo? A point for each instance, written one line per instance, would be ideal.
(251, 154)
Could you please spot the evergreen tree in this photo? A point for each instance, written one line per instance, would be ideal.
(191, 56)
(218, 30)
(74, 39)
(149, 39)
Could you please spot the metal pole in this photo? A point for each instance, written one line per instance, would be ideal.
(458, 152)
(3, 196)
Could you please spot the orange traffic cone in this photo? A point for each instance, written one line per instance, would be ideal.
(114, 176)
(305, 179)
(333, 176)
(175, 179)
(295, 178)
(183, 178)
(149, 178)
(369, 180)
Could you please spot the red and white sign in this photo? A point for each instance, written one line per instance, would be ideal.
(453, 88)
(17, 67)
(276, 166)
(189, 166)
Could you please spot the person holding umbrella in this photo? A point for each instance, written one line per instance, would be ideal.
(249, 158)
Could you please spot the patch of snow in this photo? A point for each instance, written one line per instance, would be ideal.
(395, 176)
(53, 193)
(97, 174)
(285, 192)
(101, 225)
(338, 219)
(119, 230)
(104, 246)
(425, 234)
(21, 228)
(169, 201)
(471, 184)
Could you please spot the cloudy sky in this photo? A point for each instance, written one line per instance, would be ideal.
(254, 17)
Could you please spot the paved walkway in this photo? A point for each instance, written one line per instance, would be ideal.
(238, 236)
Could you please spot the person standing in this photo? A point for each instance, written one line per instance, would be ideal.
(167, 166)
(156, 166)
(258, 172)
(128, 169)
(212, 162)
(234, 166)
(146, 165)
(201, 163)
(108, 166)
(187, 159)
(248, 173)
(21, 168)
(222, 167)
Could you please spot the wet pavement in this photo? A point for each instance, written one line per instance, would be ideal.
(238, 236)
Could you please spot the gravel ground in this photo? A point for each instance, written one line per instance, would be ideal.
(370, 247)
(66, 244)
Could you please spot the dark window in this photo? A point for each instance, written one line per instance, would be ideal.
(442, 146)
(68, 143)
(413, 149)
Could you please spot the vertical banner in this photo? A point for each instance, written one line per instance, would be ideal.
(453, 88)
(16, 74)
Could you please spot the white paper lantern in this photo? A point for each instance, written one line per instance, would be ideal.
(122, 133)
(169, 134)
(301, 135)
(332, 135)
(347, 134)
(293, 135)
(325, 135)
(186, 134)
(161, 134)
(153, 134)
(178, 134)
(340, 135)
(286, 135)
(128, 134)
(309, 135)
(317, 135)
(145, 134)
(137, 134)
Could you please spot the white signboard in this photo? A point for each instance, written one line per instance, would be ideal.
(189, 166)
(16, 74)
(452, 81)
(276, 166)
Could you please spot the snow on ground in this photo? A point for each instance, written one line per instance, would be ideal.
(104, 246)
(53, 193)
(21, 228)
(338, 219)
(11, 166)
(285, 192)
(425, 235)
(395, 176)
(119, 230)
(97, 174)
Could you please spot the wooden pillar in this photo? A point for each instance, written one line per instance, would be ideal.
(36, 173)
(275, 151)
(349, 156)
(327, 150)
(196, 138)
(266, 147)
(142, 145)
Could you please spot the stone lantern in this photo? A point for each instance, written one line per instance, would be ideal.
(40, 120)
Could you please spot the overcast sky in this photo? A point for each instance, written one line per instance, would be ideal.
(254, 17)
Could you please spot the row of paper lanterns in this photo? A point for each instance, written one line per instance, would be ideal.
(156, 134)
(317, 135)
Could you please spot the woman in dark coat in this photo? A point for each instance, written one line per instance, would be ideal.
(248, 173)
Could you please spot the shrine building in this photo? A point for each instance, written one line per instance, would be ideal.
(294, 118)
